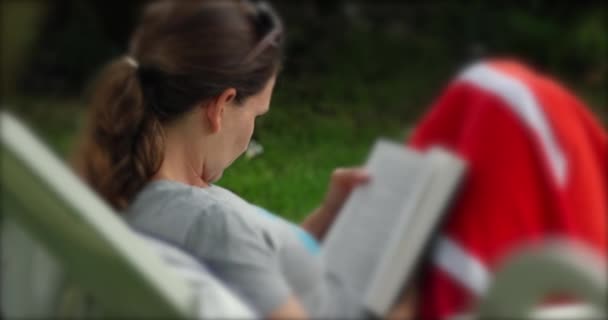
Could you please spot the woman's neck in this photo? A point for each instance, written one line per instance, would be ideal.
(181, 162)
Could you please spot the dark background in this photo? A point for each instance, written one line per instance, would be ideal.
(365, 41)
(354, 70)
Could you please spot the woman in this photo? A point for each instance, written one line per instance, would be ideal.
(169, 118)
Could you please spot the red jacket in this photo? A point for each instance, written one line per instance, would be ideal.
(537, 169)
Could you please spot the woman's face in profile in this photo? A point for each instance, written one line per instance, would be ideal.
(238, 123)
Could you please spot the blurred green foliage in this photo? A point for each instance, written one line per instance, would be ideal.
(19, 26)
(354, 70)
(362, 41)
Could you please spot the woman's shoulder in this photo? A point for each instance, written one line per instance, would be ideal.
(164, 197)
(169, 210)
(184, 214)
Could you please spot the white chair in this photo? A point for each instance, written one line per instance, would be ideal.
(533, 274)
(95, 265)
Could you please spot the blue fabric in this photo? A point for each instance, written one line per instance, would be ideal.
(307, 239)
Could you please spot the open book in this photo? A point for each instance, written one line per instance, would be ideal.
(379, 235)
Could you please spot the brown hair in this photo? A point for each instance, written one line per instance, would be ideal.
(183, 53)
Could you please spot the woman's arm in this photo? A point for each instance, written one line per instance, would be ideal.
(405, 307)
(317, 223)
(342, 183)
(291, 309)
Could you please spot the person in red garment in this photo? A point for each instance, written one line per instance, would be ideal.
(537, 170)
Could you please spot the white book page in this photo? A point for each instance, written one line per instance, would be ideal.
(356, 242)
(411, 236)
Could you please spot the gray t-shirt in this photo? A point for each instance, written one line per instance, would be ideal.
(262, 257)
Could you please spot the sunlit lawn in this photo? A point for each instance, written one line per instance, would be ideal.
(300, 151)
(315, 125)
(301, 148)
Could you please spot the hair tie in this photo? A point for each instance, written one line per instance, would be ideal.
(132, 62)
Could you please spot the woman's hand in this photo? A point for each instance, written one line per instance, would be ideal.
(343, 181)
(405, 307)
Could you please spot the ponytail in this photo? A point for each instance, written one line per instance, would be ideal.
(122, 146)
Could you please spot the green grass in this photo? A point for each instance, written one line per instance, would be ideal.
(304, 139)
(56, 121)
(301, 148)
(318, 121)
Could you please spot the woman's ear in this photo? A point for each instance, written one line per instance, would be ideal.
(215, 109)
